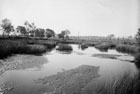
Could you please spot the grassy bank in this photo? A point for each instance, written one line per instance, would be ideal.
(9, 47)
(64, 47)
(48, 43)
(25, 45)
(123, 85)
(105, 46)
(127, 48)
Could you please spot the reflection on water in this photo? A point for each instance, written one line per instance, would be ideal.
(24, 80)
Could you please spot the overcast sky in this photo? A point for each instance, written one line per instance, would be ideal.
(88, 17)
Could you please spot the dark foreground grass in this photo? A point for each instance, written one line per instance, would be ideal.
(123, 85)
(125, 48)
(137, 60)
(64, 47)
(48, 43)
(8, 48)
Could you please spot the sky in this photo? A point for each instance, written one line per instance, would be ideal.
(83, 17)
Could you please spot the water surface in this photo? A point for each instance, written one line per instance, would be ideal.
(24, 80)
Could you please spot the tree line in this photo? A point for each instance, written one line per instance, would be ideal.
(30, 30)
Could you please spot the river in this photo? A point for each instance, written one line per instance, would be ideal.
(23, 79)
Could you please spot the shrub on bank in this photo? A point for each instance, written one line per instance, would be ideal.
(137, 60)
(48, 44)
(64, 47)
(126, 84)
(105, 46)
(84, 46)
(127, 48)
(8, 48)
(35, 49)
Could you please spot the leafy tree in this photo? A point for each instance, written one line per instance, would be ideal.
(137, 37)
(30, 28)
(50, 33)
(7, 26)
(39, 32)
(65, 33)
(22, 30)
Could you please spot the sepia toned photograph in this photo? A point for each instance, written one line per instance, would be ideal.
(69, 46)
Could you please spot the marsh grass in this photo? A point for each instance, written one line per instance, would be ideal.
(8, 48)
(127, 48)
(123, 85)
(35, 49)
(137, 60)
(105, 46)
(84, 46)
(64, 47)
(49, 44)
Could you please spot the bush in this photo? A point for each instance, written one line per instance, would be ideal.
(84, 46)
(127, 48)
(50, 44)
(137, 60)
(8, 48)
(35, 49)
(64, 47)
(105, 46)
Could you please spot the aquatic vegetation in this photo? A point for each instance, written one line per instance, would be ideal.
(20, 62)
(127, 48)
(123, 85)
(84, 46)
(8, 48)
(64, 47)
(137, 60)
(48, 43)
(105, 46)
(35, 49)
(70, 81)
(82, 80)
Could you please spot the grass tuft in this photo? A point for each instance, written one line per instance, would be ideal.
(127, 48)
(8, 48)
(64, 47)
(105, 46)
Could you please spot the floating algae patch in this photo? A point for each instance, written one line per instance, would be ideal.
(70, 81)
(21, 62)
